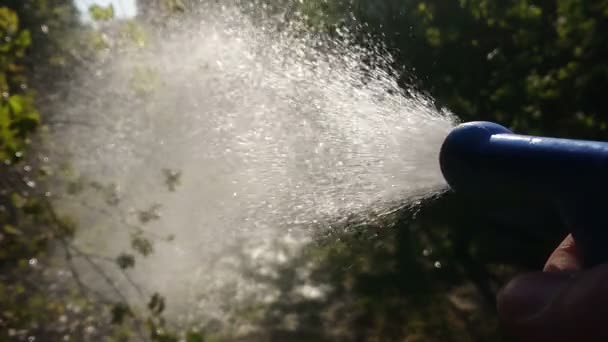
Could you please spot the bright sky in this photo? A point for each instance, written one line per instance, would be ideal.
(122, 8)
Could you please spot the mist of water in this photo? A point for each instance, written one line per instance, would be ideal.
(264, 135)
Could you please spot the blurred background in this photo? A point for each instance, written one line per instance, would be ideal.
(430, 274)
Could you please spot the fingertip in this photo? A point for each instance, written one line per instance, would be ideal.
(565, 258)
(521, 297)
(560, 306)
(526, 297)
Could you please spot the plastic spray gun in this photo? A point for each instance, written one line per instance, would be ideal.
(484, 159)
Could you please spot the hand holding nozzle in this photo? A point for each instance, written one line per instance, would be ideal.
(564, 303)
(568, 301)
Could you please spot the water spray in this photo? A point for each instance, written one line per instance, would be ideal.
(277, 137)
(484, 159)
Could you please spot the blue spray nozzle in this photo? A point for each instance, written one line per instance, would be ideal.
(485, 159)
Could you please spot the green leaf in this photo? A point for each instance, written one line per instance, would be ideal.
(141, 244)
(18, 201)
(125, 261)
(150, 214)
(156, 304)
(11, 230)
(16, 104)
(24, 39)
(172, 179)
(9, 21)
(193, 336)
(119, 312)
(433, 36)
(101, 13)
(75, 187)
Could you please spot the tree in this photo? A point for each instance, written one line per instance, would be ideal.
(521, 63)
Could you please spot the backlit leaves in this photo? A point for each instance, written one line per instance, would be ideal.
(150, 214)
(101, 13)
(141, 244)
(156, 304)
(125, 261)
(18, 115)
(120, 312)
(172, 179)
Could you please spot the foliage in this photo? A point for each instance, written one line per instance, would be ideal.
(41, 291)
(18, 115)
(100, 13)
(537, 66)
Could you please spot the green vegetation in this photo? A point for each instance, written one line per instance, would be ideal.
(536, 66)
(18, 115)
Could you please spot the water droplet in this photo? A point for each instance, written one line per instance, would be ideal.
(44, 29)
(33, 262)
(27, 168)
(426, 252)
(30, 183)
(437, 264)
(19, 154)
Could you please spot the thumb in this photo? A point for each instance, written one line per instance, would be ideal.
(557, 306)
